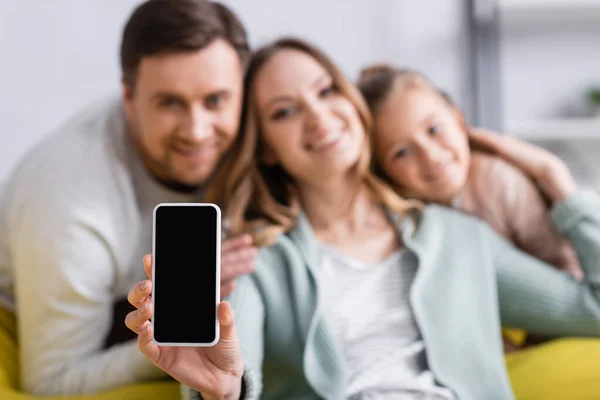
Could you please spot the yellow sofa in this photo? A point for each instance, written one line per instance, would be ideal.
(565, 369)
(9, 374)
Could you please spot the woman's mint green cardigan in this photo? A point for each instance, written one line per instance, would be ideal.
(469, 282)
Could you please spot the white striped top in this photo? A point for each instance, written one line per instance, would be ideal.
(368, 310)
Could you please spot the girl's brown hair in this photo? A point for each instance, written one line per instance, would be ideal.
(377, 81)
(262, 199)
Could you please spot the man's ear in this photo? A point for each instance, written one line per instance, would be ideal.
(127, 94)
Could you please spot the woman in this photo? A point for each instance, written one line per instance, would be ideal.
(357, 293)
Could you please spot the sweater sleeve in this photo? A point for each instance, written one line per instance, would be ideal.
(544, 300)
(65, 272)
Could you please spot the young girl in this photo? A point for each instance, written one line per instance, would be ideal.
(421, 146)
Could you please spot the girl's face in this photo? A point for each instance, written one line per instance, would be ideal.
(421, 144)
(307, 126)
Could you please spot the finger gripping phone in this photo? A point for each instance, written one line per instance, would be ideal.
(186, 249)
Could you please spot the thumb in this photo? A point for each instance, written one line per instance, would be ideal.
(148, 265)
(226, 355)
(226, 322)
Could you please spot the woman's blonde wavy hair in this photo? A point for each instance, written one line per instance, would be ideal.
(263, 200)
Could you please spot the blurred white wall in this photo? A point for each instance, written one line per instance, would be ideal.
(57, 56)
(428, 35)
(550, 60)
(548, 69)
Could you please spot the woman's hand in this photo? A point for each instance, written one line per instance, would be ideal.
(548, 170)
(215, 372)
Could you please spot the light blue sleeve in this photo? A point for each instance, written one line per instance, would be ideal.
(541, 299)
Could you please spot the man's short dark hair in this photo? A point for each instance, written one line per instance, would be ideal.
(171, 26)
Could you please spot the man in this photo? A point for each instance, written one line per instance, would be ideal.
(76, 216)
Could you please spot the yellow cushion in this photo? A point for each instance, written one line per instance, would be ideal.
(151, 391)
(557, 370)
(9, 374)
(9, 367)
(515, 335)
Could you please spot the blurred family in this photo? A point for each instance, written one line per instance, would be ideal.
(378, 243)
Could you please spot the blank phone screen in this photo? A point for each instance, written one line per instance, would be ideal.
(186, 249)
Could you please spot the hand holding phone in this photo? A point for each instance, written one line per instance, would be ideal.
(215, 372)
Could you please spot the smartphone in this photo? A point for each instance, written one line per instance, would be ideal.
(186, 265)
